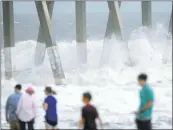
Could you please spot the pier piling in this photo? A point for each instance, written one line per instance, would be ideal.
(113, 24)
(81, 35)
(8, 31)
(53, 54)
(41, 46)
(170, 22)
(146, 13)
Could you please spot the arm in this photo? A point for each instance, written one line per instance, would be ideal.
(82, 120)
(34, 107)
(100, 120)
(45, 104)
(7, 109)
(147, 106)
(81, 123)
(98, 117)
(19, 105)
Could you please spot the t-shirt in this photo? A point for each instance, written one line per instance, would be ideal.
(11, 106)
(89, 114)
(146, 95)
(51, 112)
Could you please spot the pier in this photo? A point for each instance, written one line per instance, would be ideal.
(46, 42)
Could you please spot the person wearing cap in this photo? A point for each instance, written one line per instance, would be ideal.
(11, 106)
(49, 105)
(26, 110)
(144, 113)
(89, 114)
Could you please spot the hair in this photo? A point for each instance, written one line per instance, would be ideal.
(142, 77)
(30, 93)
(18, 86)
(50, 91)
(87, 95)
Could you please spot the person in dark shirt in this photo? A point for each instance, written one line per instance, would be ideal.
(49, 106)
(89, 114)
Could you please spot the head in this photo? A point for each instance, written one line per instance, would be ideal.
(18, 88)
(87, 97)
(49, 91)
(142, 79)
(30, 90)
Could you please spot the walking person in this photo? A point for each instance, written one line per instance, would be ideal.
(50, 107)
(89, 114)
(144, 114)
(26, 110)
(11, 106)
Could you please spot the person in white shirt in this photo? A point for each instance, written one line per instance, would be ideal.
(26, 110)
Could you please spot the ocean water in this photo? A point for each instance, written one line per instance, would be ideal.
(114, 87)
(63, 25)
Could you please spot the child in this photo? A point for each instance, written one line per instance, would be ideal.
(89, 114)
(49, 106)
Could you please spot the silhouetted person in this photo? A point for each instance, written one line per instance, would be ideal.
(26, 110)
(11, 106)
(49, 105)
(89, 114)
(144, 114)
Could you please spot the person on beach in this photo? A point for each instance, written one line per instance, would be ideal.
(49, 105)
(144, 114)
(26, 110)
(11, 106)
(89, 114)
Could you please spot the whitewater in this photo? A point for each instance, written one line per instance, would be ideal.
(113, 86)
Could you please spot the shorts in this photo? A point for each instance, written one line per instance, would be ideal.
(50, 124)
(143, 124)
(14, 125)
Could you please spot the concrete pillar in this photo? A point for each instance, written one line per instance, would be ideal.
(114, 24)
(8, 30)
(146, 14)
(170, 23)
(1, 42)
(81, 31)
(1, 25)
(53, 54)
(0, 57)
(41, 46)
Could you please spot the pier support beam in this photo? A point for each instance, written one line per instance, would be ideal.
(8, 30)
(170, 23)
(114, 25)
(81, 31)
(146, 14)
(1, 42)
(41, 47)
(53, 54)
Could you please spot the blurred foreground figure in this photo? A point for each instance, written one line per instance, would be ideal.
(11, 106)
(89, 114)
(144, 114)
(26, 110)
(49, 105)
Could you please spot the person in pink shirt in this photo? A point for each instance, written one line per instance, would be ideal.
(26, 110)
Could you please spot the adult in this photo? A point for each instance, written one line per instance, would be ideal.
(49, 105)
(11, 106)
(144, 113)
(26, 110)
